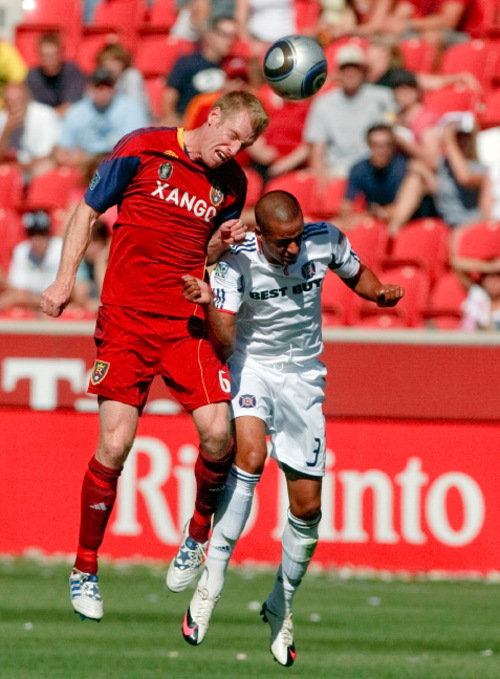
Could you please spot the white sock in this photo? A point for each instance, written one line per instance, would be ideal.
(298, 544)
(229, 521)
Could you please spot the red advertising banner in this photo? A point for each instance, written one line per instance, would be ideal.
(404, 374)
(399, 495)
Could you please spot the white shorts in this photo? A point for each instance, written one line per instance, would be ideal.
(291, 405)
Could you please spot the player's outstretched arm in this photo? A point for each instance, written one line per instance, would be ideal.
(222, 325)
(76, 240)
(229, 233)
(368, 286)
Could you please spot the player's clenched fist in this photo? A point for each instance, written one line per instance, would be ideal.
(389, 295)
(196, 291)
(55, 299)
(232, 232)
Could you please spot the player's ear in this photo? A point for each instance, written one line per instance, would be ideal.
(214, 116)
(258, 231)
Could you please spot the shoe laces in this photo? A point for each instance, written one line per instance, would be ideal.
(205, 606)
(286, 631)
(89, 586)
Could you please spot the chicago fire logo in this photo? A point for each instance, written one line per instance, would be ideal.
(216, 195)
(165, 171)
(309, 270)
(247, 401)
(99, 372)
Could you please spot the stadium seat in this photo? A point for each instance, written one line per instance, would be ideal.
(490, 116)
(11, 233)
(155, 87)
(307, 15)
(453, 98)
(156, 54)
(62, 16)
(160, 18)
(255, 186)
(11, 185)
(426, 241)
(302, 184)
(479, 241)
(444, 310)
(381, 319)
(416, 283)
(474, 56)
(326, 206)
(418, 55)
(369, 240)
(117, 16)
(339, 304)
(90, 45)
(491, 18)
(51, 190)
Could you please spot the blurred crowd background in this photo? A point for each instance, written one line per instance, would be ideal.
(400, 149)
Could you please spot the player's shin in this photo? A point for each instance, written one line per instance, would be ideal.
(230, 520)
(97, 501)
(299, 542)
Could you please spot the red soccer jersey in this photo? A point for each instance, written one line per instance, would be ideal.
(168, 207)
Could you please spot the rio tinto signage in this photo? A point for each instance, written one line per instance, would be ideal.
(397, 495)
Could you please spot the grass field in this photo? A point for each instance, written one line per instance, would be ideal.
(354, 629)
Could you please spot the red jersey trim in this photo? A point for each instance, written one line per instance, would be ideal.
(201, 373)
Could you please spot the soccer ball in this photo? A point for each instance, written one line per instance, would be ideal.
(295, 67)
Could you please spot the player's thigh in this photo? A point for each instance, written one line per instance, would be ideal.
(214, 427)
(251, 444)
(118, 426)
(299, 424)
(304, 494)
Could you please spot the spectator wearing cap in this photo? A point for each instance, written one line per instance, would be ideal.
(29, 131)
(53, 81)
(200, 72)
(94, 124)
(12, 66)
(337, 122)
(34, 263)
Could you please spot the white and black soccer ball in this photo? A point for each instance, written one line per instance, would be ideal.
(295, 67)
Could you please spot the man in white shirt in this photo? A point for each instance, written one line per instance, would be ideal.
(264, 311)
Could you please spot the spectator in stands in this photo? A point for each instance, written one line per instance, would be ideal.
(29, 131)
(393, 190)
(443, 23)
(55, 82)
(261, 22)
(482, 305)
(200, 72)
(337, 122)
(354, 17)
(191, 18)
(95, 123)
(415, 129)
(34, 264)
(12, 66)
(462, 178)
(128, 80)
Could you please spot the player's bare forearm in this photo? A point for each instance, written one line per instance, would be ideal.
(368, 286)
(229, 233)
(222, 326)
(76, 240)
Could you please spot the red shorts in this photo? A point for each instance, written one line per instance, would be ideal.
(133, 347)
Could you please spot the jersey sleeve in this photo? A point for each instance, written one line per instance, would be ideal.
(114, 174)
(227, 287)
(345, 262)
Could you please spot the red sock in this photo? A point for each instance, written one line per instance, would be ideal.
(98, 498)
(210, 477)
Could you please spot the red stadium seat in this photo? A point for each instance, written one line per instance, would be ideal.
(52, 189)
(255, 186)
(444, 310)
(474, 56)
(120, 17)
(62, 16)
(156, 54)
(339, 304)
(326, 206)
(369, 240)
(11, 185)
(160, 18)
(90, 45)
(416, 283)
(307, 15)
(155, 87)
(418, 55)
(491, 18)
(427, 242)
(479, 241)
(454, 98)
(381, 319)
(11, 233)
(302, 184)
(490, 116)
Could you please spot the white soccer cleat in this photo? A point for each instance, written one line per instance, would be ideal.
(85, 595)
(197, 618)
(186, 563)
(282, 646)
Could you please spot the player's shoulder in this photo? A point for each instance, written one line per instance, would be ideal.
(246, 249)
(145, 139)
(320, 232)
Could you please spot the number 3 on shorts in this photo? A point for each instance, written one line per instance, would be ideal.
(225, 384)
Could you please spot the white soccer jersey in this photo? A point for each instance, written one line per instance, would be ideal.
(279, 314)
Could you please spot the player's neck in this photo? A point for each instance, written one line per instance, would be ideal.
(192, 144)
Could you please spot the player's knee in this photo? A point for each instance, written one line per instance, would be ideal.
(215, 439)
(114, 448)
(251, 460)
(307, 510)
